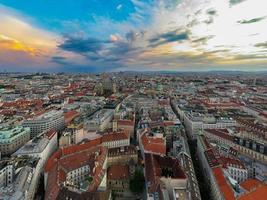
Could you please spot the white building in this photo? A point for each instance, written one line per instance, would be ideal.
(12, 138)
(40, 148)
(6, 175)
(100, 121)
(196, 122)
(45, 122)
(116, 139)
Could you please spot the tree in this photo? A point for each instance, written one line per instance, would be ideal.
(137, 181)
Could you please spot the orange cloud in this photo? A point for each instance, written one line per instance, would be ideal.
(7, 43)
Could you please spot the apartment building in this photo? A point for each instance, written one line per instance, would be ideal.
(12, 138)
(45, 122)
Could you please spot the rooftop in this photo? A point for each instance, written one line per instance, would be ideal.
(118, 172)
(225, 188)
(258, 194)
(7, 133)
(251, 184)
(153, 144)
(36, 145)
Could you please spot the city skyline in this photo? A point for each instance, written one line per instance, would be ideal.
(133, 35)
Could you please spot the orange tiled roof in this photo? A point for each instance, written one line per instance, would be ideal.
(226, 161)
(153, 145)
(222, 183)
(153, 168)
(251, 184)
(69, 116)
(259, 194)
(115, 136)
(49, 134)
(59, 168)
(124, 122)
(223, 133)
(118, 172)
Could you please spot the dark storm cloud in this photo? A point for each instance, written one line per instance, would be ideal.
(171, 36)
(61, 60)
(102, 52)
(83, 45)
(262, 44)
(250, 21)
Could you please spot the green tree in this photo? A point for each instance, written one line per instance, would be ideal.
(137, 181)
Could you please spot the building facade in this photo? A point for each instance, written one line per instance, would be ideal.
(12, 138)
(45, 122)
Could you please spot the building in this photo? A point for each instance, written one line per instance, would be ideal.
(39, 150)
(22, 179)
(164, 178)
(12, 138)
(149, 143)
(212, 170)
(100, 121)
(124, 124)
(253, 149)
(118, 179)
(235, 168)
(122, 155)
(116, 139)
(6, 173)
(45, 122)
(79, 168)
(181, 151)
(196, 122)
(254, 189)
(40, 147)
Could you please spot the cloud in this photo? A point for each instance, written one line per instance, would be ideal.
(60, 60)
(211, 12)
(119, 7)
(22, 43)
(203, 40)
(163, 34)
(82, 45)
(15, 45)
(250, 21)
(262, 44)
(111, 53)
(171, 36)
(21, 28)
(235, 2)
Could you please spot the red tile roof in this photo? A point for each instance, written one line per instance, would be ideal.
(70, 115)
(223, 133)
(251, 184)
(226, 161)
(222, 183)
(153, 145)
(258, 194)
(76, 148)
(60, 164)
(118, 172)
(115, 136)
(124, 122)
(153, 170)
(49, 134)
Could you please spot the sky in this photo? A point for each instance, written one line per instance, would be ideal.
(132, 35)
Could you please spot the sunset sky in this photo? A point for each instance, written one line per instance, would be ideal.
(143, 35)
